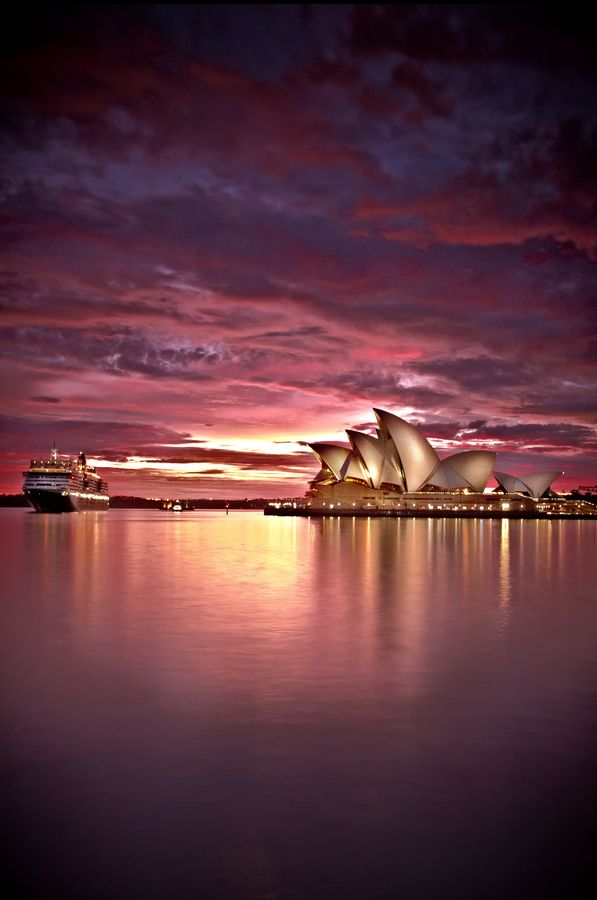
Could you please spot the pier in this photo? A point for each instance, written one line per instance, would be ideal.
(360, 513)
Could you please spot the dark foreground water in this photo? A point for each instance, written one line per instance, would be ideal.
(209, 706)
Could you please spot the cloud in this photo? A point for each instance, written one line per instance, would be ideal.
(271, 219)
(542, 437)
(428, 94)
(249, 460)
(483, 374)
(31, 434)
(482, 35)
(111, 351)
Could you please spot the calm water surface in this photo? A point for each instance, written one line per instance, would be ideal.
(210, 706)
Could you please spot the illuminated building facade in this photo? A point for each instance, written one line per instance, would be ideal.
(398, 473)
(400, 460)
(398, 469)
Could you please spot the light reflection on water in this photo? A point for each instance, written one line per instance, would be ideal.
(245, 706)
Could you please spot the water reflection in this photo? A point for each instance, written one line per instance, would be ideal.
(504, 575)
(179, 598)
(221, 691)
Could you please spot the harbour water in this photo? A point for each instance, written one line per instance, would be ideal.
(207, 706)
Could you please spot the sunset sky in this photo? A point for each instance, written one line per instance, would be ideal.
(231, 230)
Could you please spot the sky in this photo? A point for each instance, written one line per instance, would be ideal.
(231, 230)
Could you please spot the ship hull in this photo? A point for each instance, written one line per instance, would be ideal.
(59, 502)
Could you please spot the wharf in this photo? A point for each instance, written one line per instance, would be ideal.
(310, 512)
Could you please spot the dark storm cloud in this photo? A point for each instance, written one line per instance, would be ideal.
(483, 374)
(376, 383)
(550, 37)
(440, 430)
(112, 352)
(244, 459)
(29, 300)
(536, 434)
(28, 434)
(573, 158)
(309, 331)
(427, 92)
(576, 401)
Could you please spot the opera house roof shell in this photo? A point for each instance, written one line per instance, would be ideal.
(401, 458)
(535, 484)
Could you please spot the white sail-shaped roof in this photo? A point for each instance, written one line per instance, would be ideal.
(390, 474)
(510, 483)
(469, 469)
(474, 466)
(393, 472)
(333, 456)
(371, 451)
(448, 478)
(535, 483)
(417, 457)
(400, 457)
(353, 468)
(538, 482)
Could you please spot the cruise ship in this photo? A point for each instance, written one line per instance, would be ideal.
(64, 485)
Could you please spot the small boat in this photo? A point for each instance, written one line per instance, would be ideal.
(177, 506)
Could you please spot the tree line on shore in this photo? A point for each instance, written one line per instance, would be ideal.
(120, 501)
(125, 502)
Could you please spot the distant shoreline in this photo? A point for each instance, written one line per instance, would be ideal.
(125, 502)
(120, 501)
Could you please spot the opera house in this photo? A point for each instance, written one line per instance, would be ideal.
(398, 472)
